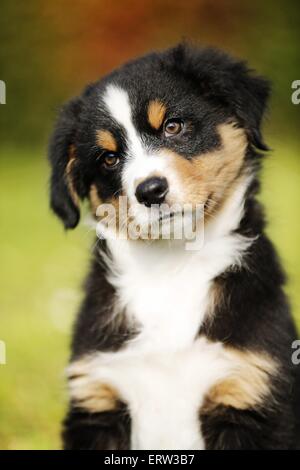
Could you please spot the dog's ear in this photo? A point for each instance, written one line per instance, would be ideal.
(64, 199)
(249, 96)
(228, 82)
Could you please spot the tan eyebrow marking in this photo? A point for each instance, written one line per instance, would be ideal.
(106, 140)
(156, 113)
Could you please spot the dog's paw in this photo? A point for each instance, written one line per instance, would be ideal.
(88, 390)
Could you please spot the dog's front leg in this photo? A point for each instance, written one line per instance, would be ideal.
(107, 430)
(163, 391)
(98, 418)
(161, 415)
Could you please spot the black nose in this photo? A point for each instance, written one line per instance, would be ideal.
(152, 191)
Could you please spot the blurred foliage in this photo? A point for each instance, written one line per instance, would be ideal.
(48, 51)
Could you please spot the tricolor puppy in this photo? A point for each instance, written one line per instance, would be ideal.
(175, 348)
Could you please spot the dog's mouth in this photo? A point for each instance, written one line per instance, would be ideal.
(169, 216)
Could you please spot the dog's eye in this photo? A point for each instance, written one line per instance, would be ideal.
(173, 127)
(110, 160)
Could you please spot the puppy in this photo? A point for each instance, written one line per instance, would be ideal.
(175, 347)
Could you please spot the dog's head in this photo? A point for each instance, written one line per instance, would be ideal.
(175, 127)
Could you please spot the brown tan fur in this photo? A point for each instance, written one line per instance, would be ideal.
(106, 140)
(156, 113)
(95, 200)
(97, 397)
(92, 395)
(216, 297)
(248, 386)
(209, 178)
(68, 174)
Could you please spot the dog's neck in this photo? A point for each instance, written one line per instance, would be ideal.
(162, 282)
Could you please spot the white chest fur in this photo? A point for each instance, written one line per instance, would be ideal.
(163, 391)
(164, 373)
(165, 290)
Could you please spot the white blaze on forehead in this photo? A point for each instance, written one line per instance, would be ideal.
(140, 162)
(117, 103)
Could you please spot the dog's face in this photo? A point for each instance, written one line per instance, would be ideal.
(167, 130)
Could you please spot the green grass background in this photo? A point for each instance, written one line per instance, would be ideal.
(42, 268)
(49, 51)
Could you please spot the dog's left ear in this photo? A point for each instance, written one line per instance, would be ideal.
(64, 199)
(249, 96)
(228, 82)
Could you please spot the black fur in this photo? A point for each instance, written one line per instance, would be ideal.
(63, 137)
(206, 86)
(209, 88)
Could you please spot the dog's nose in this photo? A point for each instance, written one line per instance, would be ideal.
(152, 191)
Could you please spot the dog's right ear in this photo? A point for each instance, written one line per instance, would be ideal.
(64, 200)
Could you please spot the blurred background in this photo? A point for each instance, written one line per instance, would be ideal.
(48, 52)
